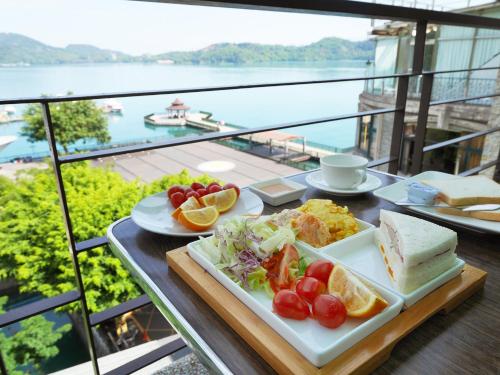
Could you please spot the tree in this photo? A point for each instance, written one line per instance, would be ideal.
(73, 121)
(33, 343)
(33, 246)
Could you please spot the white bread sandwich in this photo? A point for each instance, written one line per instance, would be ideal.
(414, 250)
(463, 191)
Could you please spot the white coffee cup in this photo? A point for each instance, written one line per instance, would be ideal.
(343, 171)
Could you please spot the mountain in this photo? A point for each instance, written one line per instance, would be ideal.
(326, 49)
(19, 49)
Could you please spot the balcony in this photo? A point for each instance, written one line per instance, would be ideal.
(404, 107)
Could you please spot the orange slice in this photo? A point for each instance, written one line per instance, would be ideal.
(359, 300)
(223, 200)
(190, 204)
(200, 219)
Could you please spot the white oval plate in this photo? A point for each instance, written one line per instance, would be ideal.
(153, 214)
(315, 179)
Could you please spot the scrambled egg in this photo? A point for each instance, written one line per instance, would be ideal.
(340, 222)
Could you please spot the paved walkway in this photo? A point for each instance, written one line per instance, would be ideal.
(238, 167)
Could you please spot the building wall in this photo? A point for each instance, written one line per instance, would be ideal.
(454, 48)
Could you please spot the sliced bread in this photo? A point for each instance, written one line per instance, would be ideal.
(463, 191)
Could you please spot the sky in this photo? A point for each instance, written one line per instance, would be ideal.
(139, 27)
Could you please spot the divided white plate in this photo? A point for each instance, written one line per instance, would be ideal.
(315, 179)
(361, 253)
(316, 343)
(153, 214)
(363, 226)
(398, 191)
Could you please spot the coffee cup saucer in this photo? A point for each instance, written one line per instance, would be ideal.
(315, 179)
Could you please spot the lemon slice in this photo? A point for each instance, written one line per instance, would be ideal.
(190, 204)
(223, 200)
(200, 219)
(359, 300)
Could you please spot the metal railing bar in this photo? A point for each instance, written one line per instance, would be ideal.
(213, 136)
(459, 139)
(38, 307)
(58, 99)
(463, 99)
(113, 312)
(187, 90)
(381, 161)
(460, 70)
(147, 359)
(479, 168)
(68, 226)
(349, 9)
(91, 244)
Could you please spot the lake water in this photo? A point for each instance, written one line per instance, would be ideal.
(247, 108)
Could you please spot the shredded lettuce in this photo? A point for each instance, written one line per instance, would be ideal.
(239, 245)
(282, 236)
(257, 278)
(210, 250)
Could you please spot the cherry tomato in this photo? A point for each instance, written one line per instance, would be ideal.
(288, 304)
(212, 183)
(202, 192)
(309, 288)
(177, 199)
(329, 310)
(196, 185)
(320, 270)
(193, 194)
(188, 190)
(229, 186)
(214, 189)
(174, 189)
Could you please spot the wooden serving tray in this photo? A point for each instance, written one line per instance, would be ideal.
(362, 358)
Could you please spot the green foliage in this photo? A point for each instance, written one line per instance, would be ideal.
(327, 49)
(33, 246)
(73, 121)
(19, 49)
(33, 343)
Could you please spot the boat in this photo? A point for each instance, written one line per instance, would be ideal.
(9, 109)
(112, 106)
(6, 140)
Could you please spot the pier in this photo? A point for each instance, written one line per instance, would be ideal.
(277, 145)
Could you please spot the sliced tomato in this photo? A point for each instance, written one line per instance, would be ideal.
(290, 259)
(278, 268)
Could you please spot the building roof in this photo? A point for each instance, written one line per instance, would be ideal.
(178, 104)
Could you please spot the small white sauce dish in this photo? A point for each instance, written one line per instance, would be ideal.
(278, 191)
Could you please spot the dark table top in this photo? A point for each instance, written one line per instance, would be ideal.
(465, 341)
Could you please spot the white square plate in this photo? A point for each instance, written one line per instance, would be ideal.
(398, 191)
(361, 253)
(318, 344)
(363, 226)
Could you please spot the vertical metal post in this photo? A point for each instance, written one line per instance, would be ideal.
(423, 113)
(398, 124)
(419, 47)
(401, 97)
(49, 129)
(3, 368)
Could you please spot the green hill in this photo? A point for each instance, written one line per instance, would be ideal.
(326, 49)
(20, 49)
